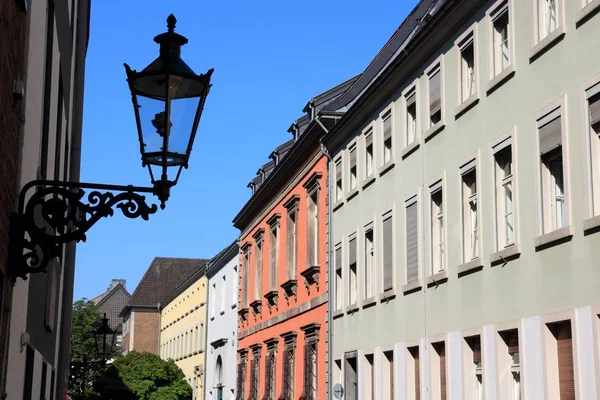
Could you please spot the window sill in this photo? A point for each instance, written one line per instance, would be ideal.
(437, 278)
(338, 204)
(470, 267)
(587, 11)
(233, 306)
(411, 287)
(371, 301)
(386, 167)
(222, 312)
(212, 318)
(500, 79)
(466, 105)
(505, 255)
(352, 308)
(338, 313)
(387, 295)
(411, 148)
(351, 194)
(545, 44)
(434, 130)
(553, 238)
(368, 181)
(591, 225)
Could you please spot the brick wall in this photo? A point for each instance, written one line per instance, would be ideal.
(146, 332)
(12, 42)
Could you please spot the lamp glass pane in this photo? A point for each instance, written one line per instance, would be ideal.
(152, 132)
(183, 112)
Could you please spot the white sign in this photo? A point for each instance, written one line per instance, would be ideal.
(338, 391)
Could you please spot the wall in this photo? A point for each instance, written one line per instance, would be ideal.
(222, 325)
(183, 333)
(146, 331)
(540, 283)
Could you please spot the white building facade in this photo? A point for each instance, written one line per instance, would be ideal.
(221, 336)
(465, 213)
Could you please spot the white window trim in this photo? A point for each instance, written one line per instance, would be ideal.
(349, 192)
(414, 86)
(458, 44)
(345, 276)
(550, 236)
(391, 211)
(439, 181)
(355, 233)
(586, 10)
(379, 144)
(431, 130)
(410, 383)
(592, 216)
(491, 14)
(497, 145)
(369, 130)
(467, 264)
(339, 158)
(539, 45)
(370, 225)
(465, 349)
(502, 327)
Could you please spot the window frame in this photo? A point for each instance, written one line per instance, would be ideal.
(492, 14)
(339, 193)
(369, 227)
(502, 360)
(466, 350)
(436, 185)
(339, 305)
(587, 9)
(353, 146)
(432, 129)
(539, 43)
(467, 167)
(414, 198)
(469, 36)
(368, 131)
(389, 109)
(352, 304)
(589, 89)
(389, 213)
(556, 317)
(408, 92)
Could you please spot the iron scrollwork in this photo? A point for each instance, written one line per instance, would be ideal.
(62, 212)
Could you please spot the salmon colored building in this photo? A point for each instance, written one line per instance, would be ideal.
(282, 324)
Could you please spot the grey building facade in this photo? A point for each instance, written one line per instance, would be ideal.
(463, 234)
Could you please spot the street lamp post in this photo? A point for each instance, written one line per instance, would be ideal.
(105, 340)
(168, 100)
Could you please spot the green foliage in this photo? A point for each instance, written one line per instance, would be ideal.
(86, 320)
(142, 376)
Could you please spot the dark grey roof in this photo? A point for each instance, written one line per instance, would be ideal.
(385, 55)
(164, 275)
(222, 258)
(112, 304)
(323, 99)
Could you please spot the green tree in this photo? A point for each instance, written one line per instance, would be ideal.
(86, 320)
(142, 376)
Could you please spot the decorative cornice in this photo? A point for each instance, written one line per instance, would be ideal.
(259, 235)
(218, 343)
(274, 220)
(289, 336)
(272, 300)
(256, 348)
(290, 288)
(246, 246)
(256, 308)
(313, 182)
(272, 342)
(292, 203)
(311, 276)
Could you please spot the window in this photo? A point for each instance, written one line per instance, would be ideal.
(339, 280)
(473, 368)
(352, 282)
(288, 366)
(241, 376)
(245, 272)
(291, 240)
(411, 116)
(503, 176)
(559, 359)
(270, 367)
(369, 378)
(500, 38)
(467, 67)
(388, 375)
(438, 253)
(353, 169)
(593, 102)
(369, 159)
(234, 291)
(387, 137)
(548, 17)
(312, 229)
(255, 373)
(412, 241)
(350, 376)
(470, 214)
(369, 262)
(553, 188)
(258, 265)
(435, 95)
(388, 252)
(438, 371)
(311, 339)
(413, 376)
(339, 189)
(223, 287)
(509, 365)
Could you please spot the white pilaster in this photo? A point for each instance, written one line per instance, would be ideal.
(585, 354)
(489, 362)
(400, 372)
(454, 363)
(532, 361)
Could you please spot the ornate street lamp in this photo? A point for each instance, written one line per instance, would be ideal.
(105, 339)
(168, 100)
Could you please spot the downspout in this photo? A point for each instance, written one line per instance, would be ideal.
(329, 269)
(159, 327)
(83, 22)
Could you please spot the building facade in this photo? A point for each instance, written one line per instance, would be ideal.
(42, 68)
(183, 329)
(283, 276)
(112, 303)
(142, 314)
(221, 330)
(465, 216)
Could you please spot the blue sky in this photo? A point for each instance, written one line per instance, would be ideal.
(270, 57)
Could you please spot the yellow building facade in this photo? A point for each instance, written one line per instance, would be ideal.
(183, 329)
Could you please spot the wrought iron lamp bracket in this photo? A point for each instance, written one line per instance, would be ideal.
(61, 212)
